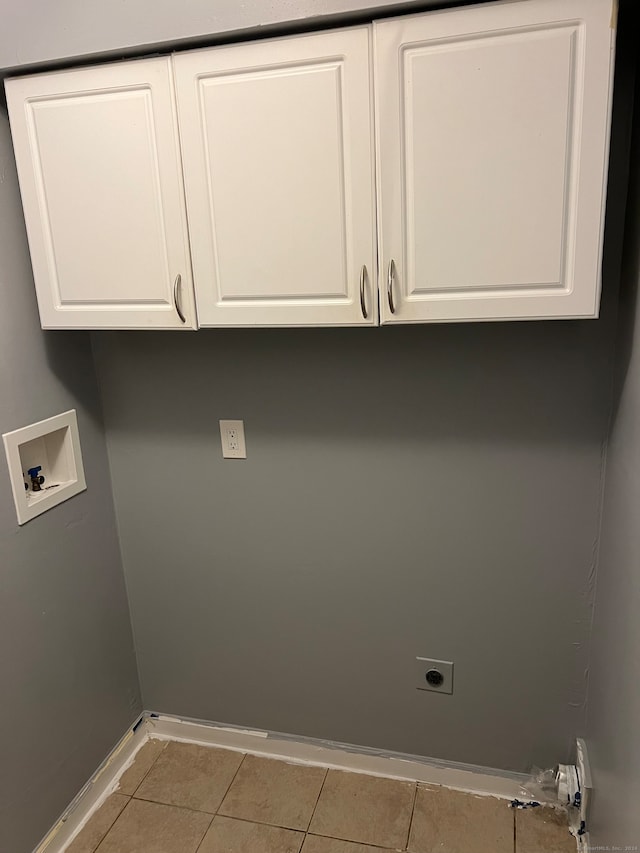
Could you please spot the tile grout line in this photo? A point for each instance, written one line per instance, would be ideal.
(174, 806)
(206, 832)
(258, 822)
(225, 816)
(228, 788)
(349, 841)
(111, 825)
(302, 843)
(153, 764)
(102, 840)
(315, 806)
(413, 810)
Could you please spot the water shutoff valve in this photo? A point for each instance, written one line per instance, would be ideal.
(36, 478)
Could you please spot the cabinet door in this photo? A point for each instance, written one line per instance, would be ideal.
(493, 127)
(99, 168)
(278, 165)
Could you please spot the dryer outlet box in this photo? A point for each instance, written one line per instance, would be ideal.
(434, 675)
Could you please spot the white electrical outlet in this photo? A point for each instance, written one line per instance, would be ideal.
(232, 436)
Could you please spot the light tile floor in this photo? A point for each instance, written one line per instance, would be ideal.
(182, 798)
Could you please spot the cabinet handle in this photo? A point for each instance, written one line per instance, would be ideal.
(363, 277)
(176, 297)
(390, 276)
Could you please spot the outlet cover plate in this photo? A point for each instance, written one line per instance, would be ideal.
(232, 438)
(422, 667)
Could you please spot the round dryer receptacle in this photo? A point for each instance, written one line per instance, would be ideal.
(434, 677)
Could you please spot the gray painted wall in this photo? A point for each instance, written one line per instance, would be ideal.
(411, 491)
(614, 695)
(67, 666)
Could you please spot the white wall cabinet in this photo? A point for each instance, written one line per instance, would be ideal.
(492, 145)
(490, 151)
(277, 141)
(99, 167)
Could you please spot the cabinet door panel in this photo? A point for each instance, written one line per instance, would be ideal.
(99, 171)
(493, 136)
(276, 139)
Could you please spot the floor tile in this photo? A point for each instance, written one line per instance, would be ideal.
(270, 791)
(319, 844)
(367, 809)
(195, 777)
(142, 763)
(153, 828)
(454, 822)
(543, 829)
(98, 825)
(227, 835)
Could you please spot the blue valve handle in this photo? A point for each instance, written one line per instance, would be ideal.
(35, 476)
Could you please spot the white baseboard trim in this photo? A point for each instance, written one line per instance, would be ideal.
(586, 779)
(103, 783)
(584, 844)
(462, 777)
(337, 756)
